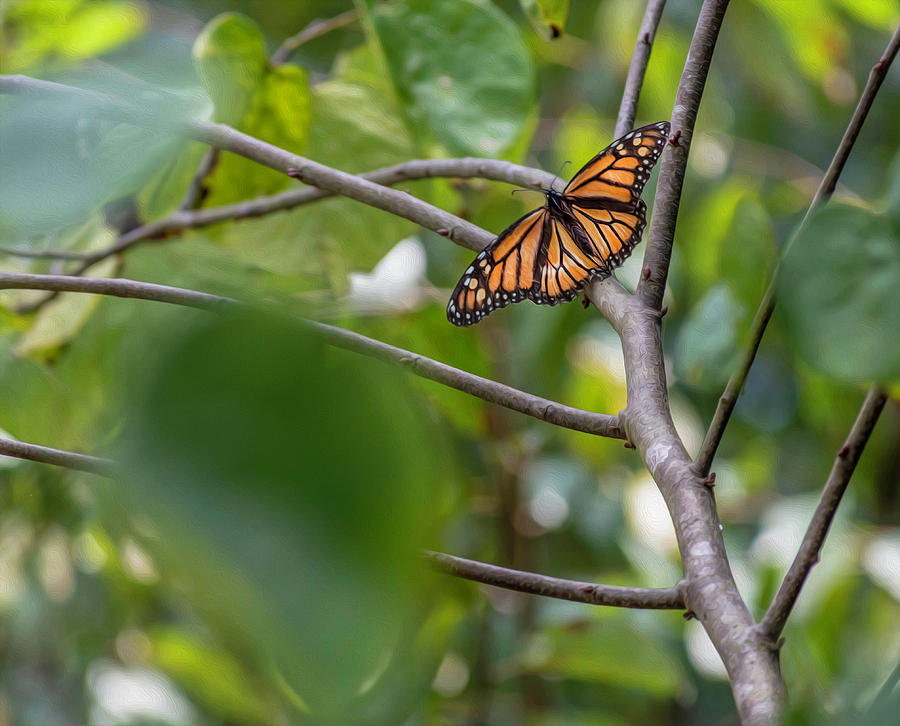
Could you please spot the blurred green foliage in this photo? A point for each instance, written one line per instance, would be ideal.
(260, 562)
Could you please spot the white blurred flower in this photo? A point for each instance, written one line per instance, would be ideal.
(123, 695)
(647, 515)
(396, 284)
(702, 652)
(881, 560)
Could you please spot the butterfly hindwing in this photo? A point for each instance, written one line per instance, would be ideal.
(566, 264)
(611, 234)
(502, 273)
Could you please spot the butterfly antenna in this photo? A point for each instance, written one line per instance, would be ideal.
(562, 169)
(523, 189)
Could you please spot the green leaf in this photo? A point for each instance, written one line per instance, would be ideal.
(290, 488)
(353, 128)
(230, 58)
(548, 16)
(71, 30)
(460, 70)
(838, 291)
(210, 675)
(707, 341)
(614, 654)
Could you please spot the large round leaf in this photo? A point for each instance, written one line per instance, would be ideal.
(839, 290)
(288, 487)
(460, 68)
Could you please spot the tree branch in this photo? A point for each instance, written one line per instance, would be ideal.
(57, 457)
(310, 172)
(670, 598)
(661, 234)
(639, 60)
(116, 287)
(735, 384)
(193, 197)
(808, 555)
(180, 220)
(483, 388)
(313, 30)
(710, 591)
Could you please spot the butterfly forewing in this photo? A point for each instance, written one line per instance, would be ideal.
(503, 272)
(580, 235)
(617, 174)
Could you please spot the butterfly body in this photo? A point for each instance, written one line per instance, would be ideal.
(580, 234)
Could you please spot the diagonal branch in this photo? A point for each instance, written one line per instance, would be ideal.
(639, 60)
(559, 414)
(180, 220)
(661, 234)
(483, 388)
(670, 598)
(313, 30)
(808, 555)
(196, 190)
(57, 457)
(310, 172)
(735, 384)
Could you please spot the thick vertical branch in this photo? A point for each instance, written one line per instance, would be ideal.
(710, 593)
(674, 163)
(639, 60)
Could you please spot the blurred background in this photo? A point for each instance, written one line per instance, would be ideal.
(258, 563)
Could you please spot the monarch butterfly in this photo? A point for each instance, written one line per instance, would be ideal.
(579, 235)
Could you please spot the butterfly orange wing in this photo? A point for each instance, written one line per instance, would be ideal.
(565, 265)
(503, 273)
(549, 256)
(617, 175)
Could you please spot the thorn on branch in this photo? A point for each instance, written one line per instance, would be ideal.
(663, 310)
(629, 445)
(443, 231)
(585, 303)
(646, 38)
(646, 273)
(587, 588)
(689, 615)
(710, 481)
(845, 449)
(293, 172)
(675, 139)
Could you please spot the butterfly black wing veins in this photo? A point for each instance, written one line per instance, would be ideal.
(579, 236)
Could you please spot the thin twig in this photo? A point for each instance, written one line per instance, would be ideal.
(57, 457)
(639, 60)
(180, 220)
(670, 598)
(559, 414)
(313, 30)
(464, 168)
(115, 286)
(808, 555)
(44, 254)
(483, 388)
(661, 233)
(196, 190)
(736, 382)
